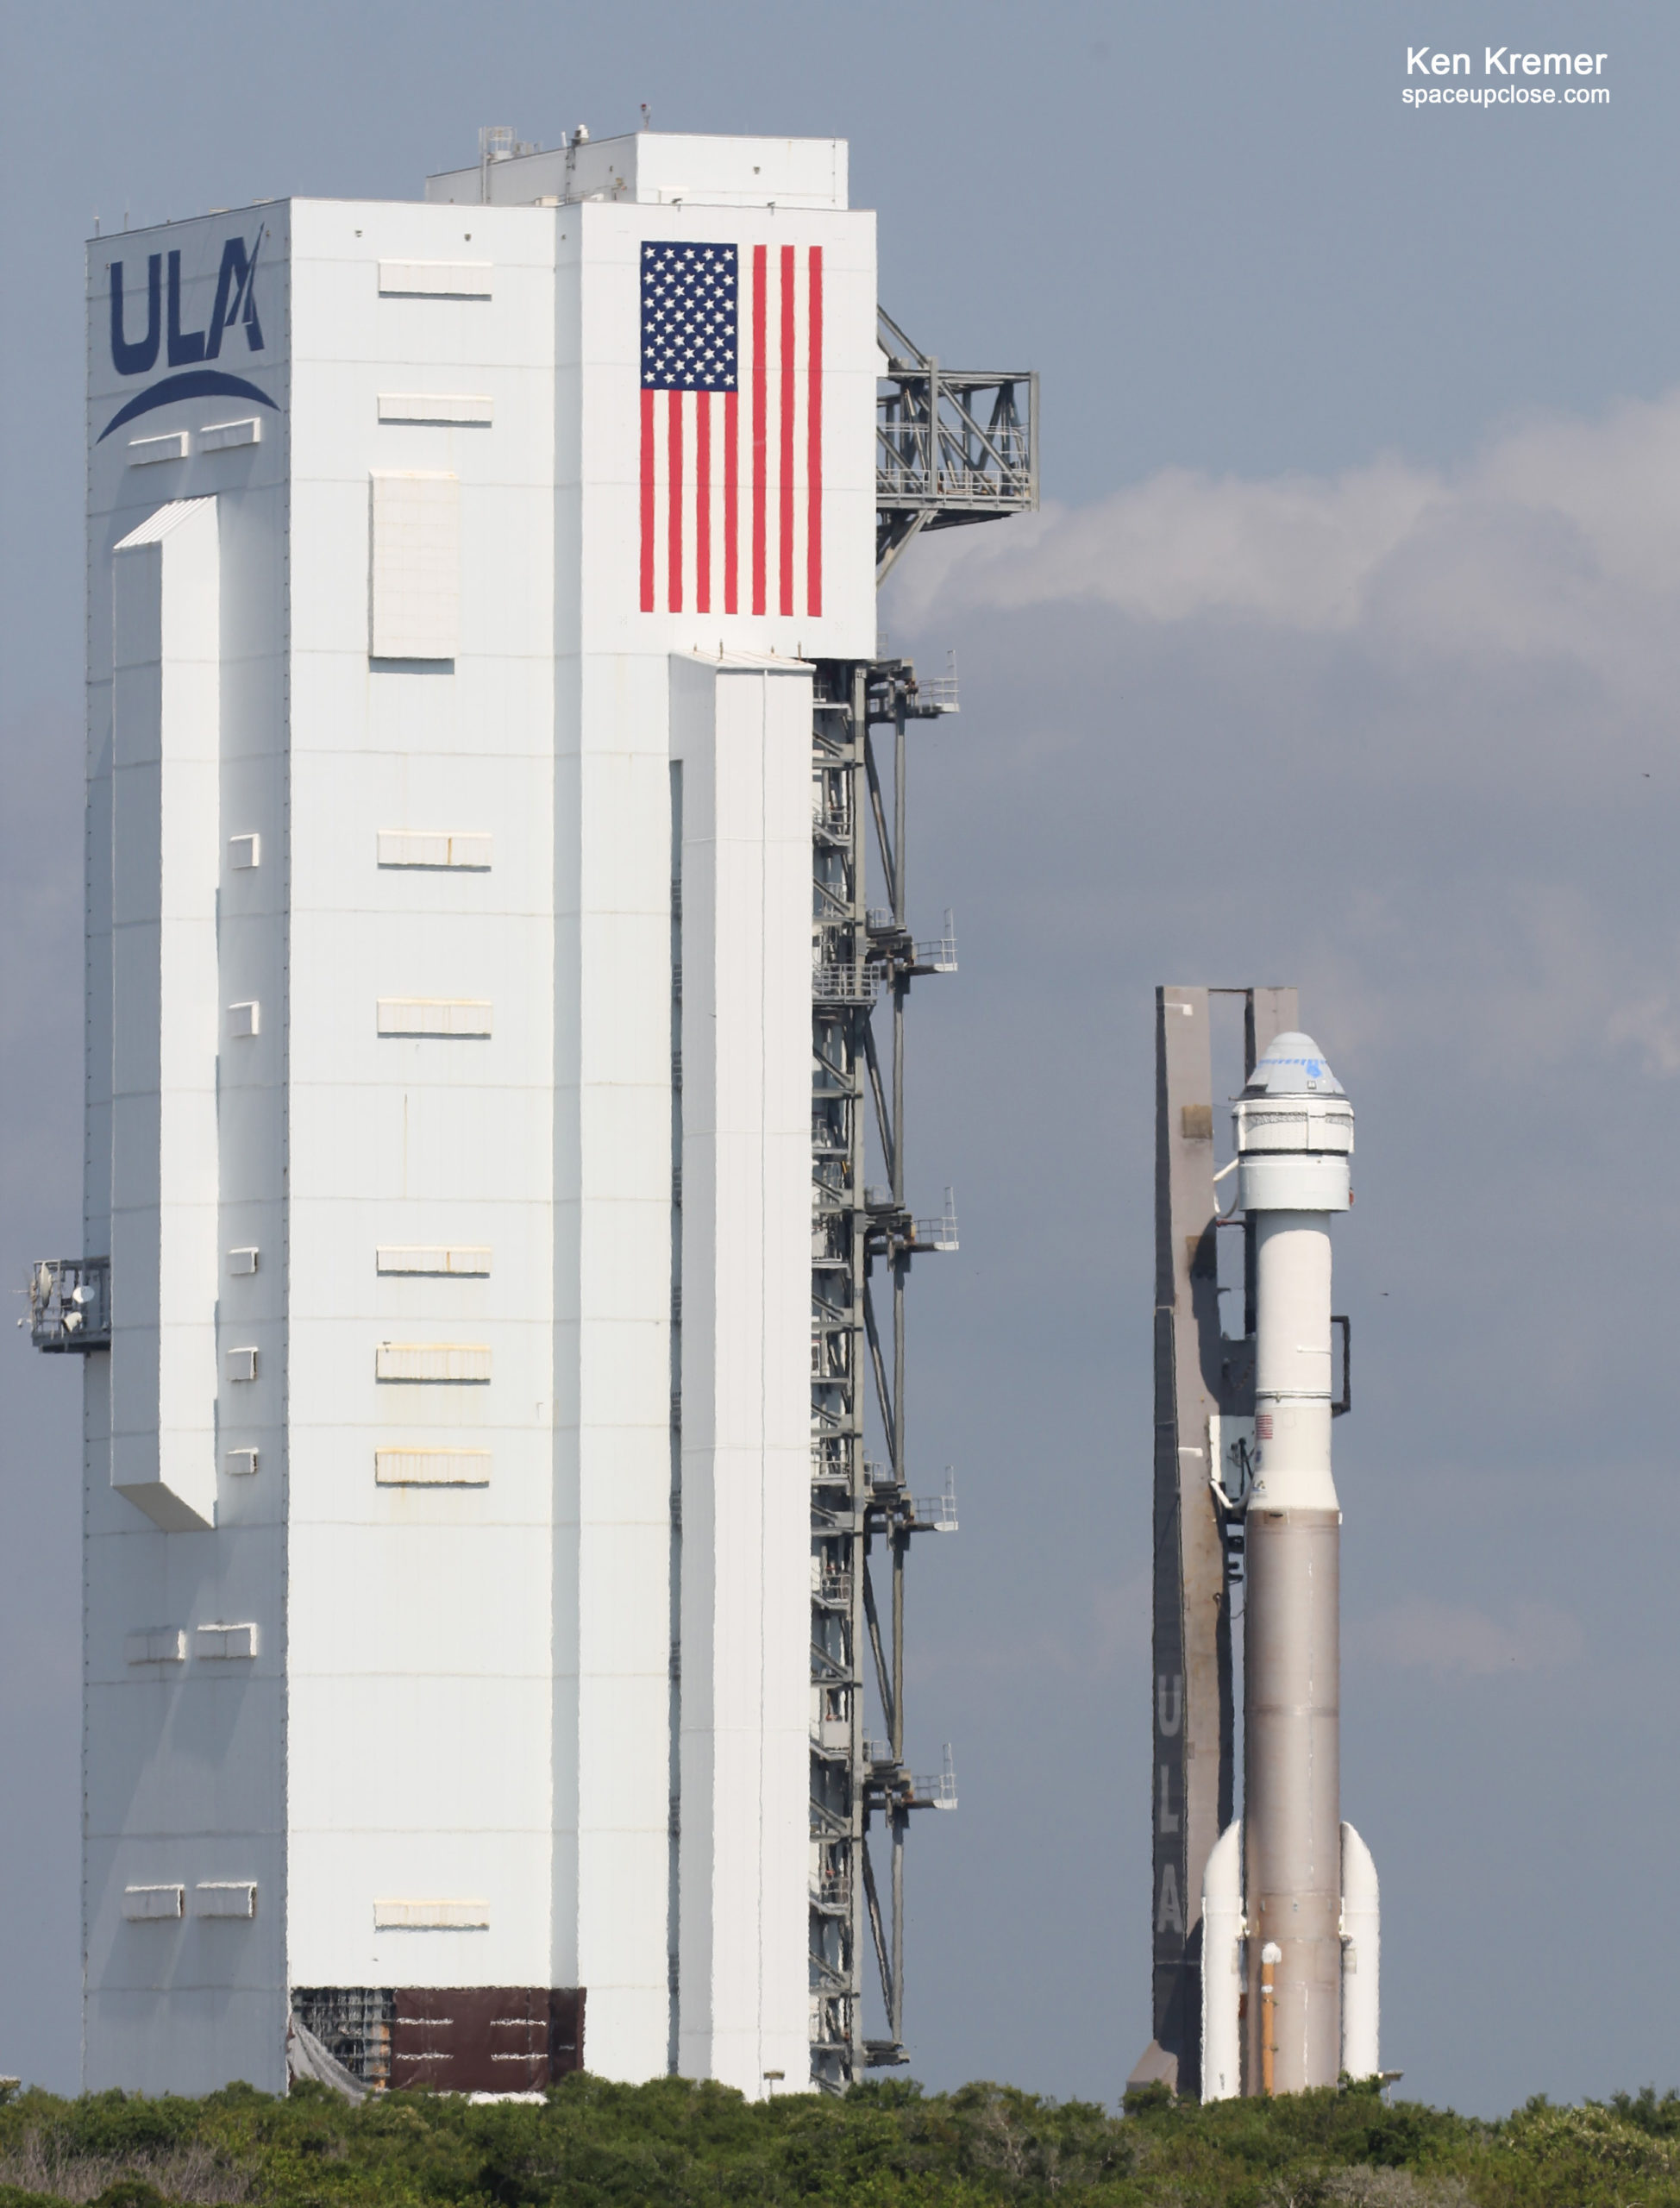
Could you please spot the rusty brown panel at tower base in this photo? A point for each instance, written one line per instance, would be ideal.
(486, 2039)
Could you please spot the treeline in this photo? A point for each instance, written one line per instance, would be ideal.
(590, 2144)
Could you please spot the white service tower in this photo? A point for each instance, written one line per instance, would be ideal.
(456, 572)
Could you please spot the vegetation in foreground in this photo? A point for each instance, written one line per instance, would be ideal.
(596, 2145)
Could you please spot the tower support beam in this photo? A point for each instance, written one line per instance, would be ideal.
(864, 960)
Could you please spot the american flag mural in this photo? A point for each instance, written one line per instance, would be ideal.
(732, 429)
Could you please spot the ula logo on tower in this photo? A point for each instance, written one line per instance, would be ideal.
(235, 307)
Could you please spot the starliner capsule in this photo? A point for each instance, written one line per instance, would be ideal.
(1288, 1935)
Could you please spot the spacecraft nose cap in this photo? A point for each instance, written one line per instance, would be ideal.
(1293, 1065)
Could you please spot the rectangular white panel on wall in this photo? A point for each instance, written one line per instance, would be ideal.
(431, 1916)
(463, 1016)
(225, 1897)
(461, 1261)
(153, 1905)
(223, 1644)
(453, 409)
(142, 451)
(415, 566)
(431, 1467)
(434, 847)
(435, 279)
(166, 861)
(434, 1361)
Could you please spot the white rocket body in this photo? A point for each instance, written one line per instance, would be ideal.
(1222, 1968)
(1361, 1946)
(1294, 1136)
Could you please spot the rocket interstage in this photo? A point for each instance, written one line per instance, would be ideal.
(1293, 1129)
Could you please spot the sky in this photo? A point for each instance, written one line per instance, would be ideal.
(1342, 653)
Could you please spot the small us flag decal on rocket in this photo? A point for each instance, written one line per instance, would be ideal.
(731, 371)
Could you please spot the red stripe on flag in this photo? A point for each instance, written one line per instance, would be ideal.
(787, 428)
(674, 579)
(730, 546)
(703, 502)
(813, 430)
(760, 279)
(647, 502)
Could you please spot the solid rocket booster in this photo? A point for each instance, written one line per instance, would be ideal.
(1294, 1136)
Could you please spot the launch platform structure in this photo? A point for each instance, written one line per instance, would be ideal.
(952, 447)
(1215, 1399)
(1204, 1382)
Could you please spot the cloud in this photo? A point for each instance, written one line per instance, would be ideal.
(1560, 540)
(1295, 550)
(1456, 1640)
(1446, 694)
(1652, 1027)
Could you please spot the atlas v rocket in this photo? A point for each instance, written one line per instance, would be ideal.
(1283, 1949)
(1293, 1129)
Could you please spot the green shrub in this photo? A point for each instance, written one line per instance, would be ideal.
(590, 2144)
